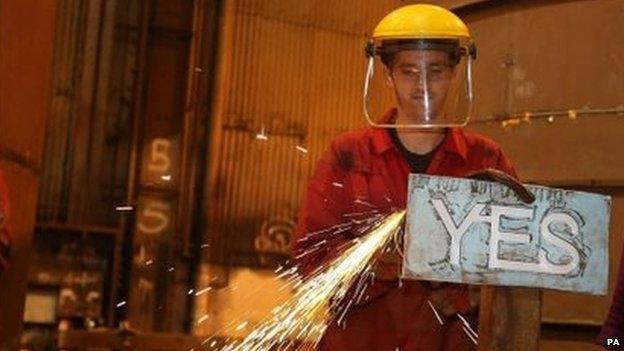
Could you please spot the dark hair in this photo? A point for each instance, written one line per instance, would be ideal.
(388, 49)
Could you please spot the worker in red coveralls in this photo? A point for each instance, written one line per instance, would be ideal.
(426, 54)
(5, 243)
(612, 333)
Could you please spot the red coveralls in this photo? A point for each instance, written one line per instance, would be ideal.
(4, 217)
(362, 170)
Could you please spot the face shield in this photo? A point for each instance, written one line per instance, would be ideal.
(428, 80)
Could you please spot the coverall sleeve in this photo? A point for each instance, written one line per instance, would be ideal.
(503, 164)
(321, 229)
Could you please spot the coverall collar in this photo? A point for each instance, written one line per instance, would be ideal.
(454, 141)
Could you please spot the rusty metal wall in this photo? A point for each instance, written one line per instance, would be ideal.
(554, 56)
(295, 75)
(86, 150)
(63, 107)
(85, 157)
(177, 53)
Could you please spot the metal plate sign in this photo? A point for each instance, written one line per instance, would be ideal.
(477, 232)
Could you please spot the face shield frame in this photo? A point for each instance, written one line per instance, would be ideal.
(456, 46)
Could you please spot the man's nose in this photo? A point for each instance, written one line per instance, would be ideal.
(423, 79)
(422, 86)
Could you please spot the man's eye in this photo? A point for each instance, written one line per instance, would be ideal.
(436, 70)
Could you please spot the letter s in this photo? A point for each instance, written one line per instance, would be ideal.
(557, 241)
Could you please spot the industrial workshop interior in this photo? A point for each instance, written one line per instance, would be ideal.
(235, 175)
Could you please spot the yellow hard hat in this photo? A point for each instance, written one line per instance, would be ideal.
(424, 27)
(420, 21)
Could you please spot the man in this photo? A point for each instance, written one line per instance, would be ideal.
(426, 52)
(4, 226)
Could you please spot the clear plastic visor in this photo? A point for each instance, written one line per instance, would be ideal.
(431, 88)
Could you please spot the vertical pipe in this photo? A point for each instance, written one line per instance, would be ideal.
(187, 140)
(252, 190)
(219, 114)
(124, 238)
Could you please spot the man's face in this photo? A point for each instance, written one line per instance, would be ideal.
(421, 80)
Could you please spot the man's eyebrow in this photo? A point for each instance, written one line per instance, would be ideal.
(438, 63)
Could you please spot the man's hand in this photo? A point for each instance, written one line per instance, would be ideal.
(387, 265)
(453, 298)
(494, 175)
